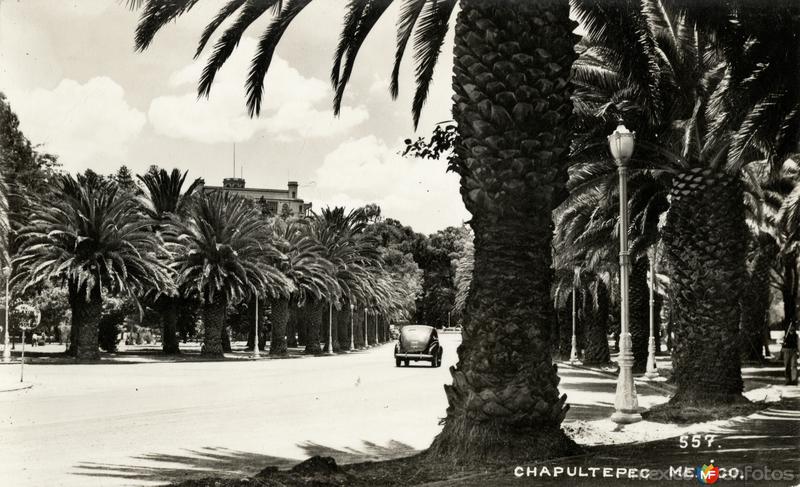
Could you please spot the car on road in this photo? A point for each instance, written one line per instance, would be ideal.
(418, 343)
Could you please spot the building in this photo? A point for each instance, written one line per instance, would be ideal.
(276, 201)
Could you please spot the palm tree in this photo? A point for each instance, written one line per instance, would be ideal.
(512, 107)
(701, 114)
(303, 263)
(90, 238)
(354, 256)
(222, 252)
(163, 201)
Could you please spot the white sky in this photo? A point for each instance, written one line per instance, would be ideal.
(69, 71)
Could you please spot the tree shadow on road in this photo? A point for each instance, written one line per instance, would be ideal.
(224, 462)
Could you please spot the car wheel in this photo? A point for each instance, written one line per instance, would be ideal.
(435, 362)
(405, 362)
(439, 361)
(397, 362)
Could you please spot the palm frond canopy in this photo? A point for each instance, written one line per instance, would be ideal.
(93, 235)
(302, 261)
(165, 195)
(717, 92)
(353, 253)
(222, 249)
(426, 21)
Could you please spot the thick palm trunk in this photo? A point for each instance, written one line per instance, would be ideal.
(279, 316)
(639, 313)
(169, 328)
(755, 302)
(313, 319)
(597, 352)
(213, 327)
(565, 331)
(358, 330)
(343, 326)
(512, 106)
(705, 237)
(323, 331)
(301, 322)
(86, 313)
(225, 337)
(291, 326)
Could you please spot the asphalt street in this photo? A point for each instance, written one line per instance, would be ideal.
(149, 423)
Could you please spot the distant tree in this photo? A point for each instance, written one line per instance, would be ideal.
(28, 174)
(124, 180)
(373, 213)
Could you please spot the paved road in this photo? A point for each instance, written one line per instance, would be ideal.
(138, 424)
(147, 423)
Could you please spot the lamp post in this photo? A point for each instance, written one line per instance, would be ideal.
(573, 355)
(366, 324)
(256, 352)
(621, 143)
(6, 348)
(330, 329)
(377, 339)
(30, 317)
(651, 372)
(352, 327)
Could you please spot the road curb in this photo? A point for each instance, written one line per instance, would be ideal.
(17, 388)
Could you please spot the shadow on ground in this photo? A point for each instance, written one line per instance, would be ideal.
(224, 462)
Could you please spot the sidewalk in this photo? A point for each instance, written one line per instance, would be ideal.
(763, 444)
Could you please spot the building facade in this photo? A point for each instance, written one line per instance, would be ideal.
(275, 201)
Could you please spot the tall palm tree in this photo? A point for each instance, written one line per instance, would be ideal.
(303, 263)
(91, 238)
(512, 106)
(701, 114)
(222, 251)
(354, 255)
(164, 200)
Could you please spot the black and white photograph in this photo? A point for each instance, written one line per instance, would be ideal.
(435, 243)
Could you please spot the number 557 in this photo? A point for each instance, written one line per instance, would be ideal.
(695, 441)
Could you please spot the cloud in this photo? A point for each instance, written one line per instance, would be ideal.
(79, 122)
(415, 191)
(294, 106)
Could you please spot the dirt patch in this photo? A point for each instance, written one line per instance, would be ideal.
(690, 413)
(324, 472)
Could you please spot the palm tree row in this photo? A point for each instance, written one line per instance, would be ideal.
(166, 245)
(705, 112)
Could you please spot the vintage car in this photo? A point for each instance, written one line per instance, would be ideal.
(418, 342)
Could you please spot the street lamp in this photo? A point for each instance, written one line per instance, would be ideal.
(330, 328)
(6, 349)
(256, 352)
(573, 355)
(366, 324)
(651, 372)
(621, 143)
(352, 327)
